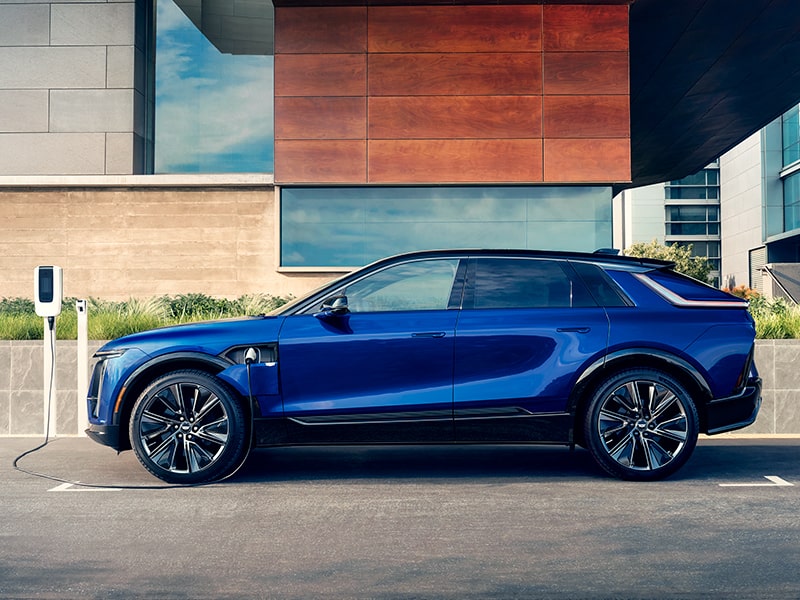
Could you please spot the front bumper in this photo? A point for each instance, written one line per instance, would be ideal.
(108, 435)
(734, 412)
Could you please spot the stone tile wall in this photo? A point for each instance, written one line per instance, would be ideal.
(778, 363)
(22, 396)
(70, 88)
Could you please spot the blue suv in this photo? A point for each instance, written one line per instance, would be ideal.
(620, 355)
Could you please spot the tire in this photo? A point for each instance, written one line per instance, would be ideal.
(188, 427)
(641, 425)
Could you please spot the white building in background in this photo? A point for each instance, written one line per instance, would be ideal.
(684, 211)
(742, 212)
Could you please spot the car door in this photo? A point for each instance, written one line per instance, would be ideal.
(382, 368)
(527, 327)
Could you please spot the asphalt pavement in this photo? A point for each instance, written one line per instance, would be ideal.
(402, 522)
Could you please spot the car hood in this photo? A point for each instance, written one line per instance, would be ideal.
(210, 337)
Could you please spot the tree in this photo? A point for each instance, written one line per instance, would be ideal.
(693, 266)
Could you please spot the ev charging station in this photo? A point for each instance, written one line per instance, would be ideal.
(48, 292)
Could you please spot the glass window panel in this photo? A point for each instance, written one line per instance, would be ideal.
(521, 283)
(213, 110)
(585, 236)
(686, 229)
(713, 213)
(713, 229)
(698, 178)
(686, 193)
(792, 216)
(420, 285)
(712, 177)
(352, 226)
(687, 213)
(791, 136)
(791, 199)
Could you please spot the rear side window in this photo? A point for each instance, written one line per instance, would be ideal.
(687, 287)
(603, 290)
(523, 283)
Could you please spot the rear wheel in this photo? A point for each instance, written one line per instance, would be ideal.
(641, 425)
(188, 427)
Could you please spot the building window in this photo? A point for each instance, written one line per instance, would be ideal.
(686, 220)
(213, 94)
(709, 250)
(791, 136)
(703, 185)
(352, 226)
(791, 202)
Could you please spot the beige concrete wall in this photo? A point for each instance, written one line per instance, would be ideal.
(23, 406)
(120, 242)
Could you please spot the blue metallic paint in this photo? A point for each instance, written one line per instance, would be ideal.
(445, 375)
(372, 362)
(527, 358)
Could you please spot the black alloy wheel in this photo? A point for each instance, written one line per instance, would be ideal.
(188, 427)
(641, 425)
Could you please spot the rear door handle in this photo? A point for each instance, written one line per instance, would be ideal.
(429, 334)
(574, 329)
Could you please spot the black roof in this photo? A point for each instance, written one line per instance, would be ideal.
(602, 257)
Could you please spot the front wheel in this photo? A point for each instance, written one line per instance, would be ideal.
(188, 427)
(641, 425)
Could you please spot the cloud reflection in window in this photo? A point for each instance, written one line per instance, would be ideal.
(214, 111)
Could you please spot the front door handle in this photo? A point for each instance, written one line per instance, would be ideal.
(429, 334)
(574, 329)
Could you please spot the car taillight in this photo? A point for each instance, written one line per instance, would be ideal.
(741, 382)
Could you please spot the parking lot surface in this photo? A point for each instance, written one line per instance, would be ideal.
(402, 522)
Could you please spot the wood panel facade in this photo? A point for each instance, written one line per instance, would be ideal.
(479, 94)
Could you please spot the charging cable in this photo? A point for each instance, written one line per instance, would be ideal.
(51, 323)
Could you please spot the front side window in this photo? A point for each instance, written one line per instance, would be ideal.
(524, 283)
(419, 285)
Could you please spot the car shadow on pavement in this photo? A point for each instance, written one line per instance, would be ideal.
(714, 460)
(443, 462)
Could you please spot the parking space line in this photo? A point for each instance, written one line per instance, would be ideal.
(775, 482)
(70, 487)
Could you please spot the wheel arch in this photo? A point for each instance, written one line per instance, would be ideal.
(136, 383)
(683, 371)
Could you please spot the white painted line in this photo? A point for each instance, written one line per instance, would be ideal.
(70, 487)
(776, 482)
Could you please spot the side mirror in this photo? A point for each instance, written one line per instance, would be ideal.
(333, 307)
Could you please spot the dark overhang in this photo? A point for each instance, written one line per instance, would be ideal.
(706, 74)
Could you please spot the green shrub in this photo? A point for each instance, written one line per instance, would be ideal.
(109, 320)
(775, 319)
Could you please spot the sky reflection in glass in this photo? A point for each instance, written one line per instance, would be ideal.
(213, 111)
(353, 226)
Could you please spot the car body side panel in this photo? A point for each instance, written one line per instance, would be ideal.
(715, 341)
(390, 365)
(523, 359)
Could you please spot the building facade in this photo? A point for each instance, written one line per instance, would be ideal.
(761, 209)
(741, 212)
(174, 146)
